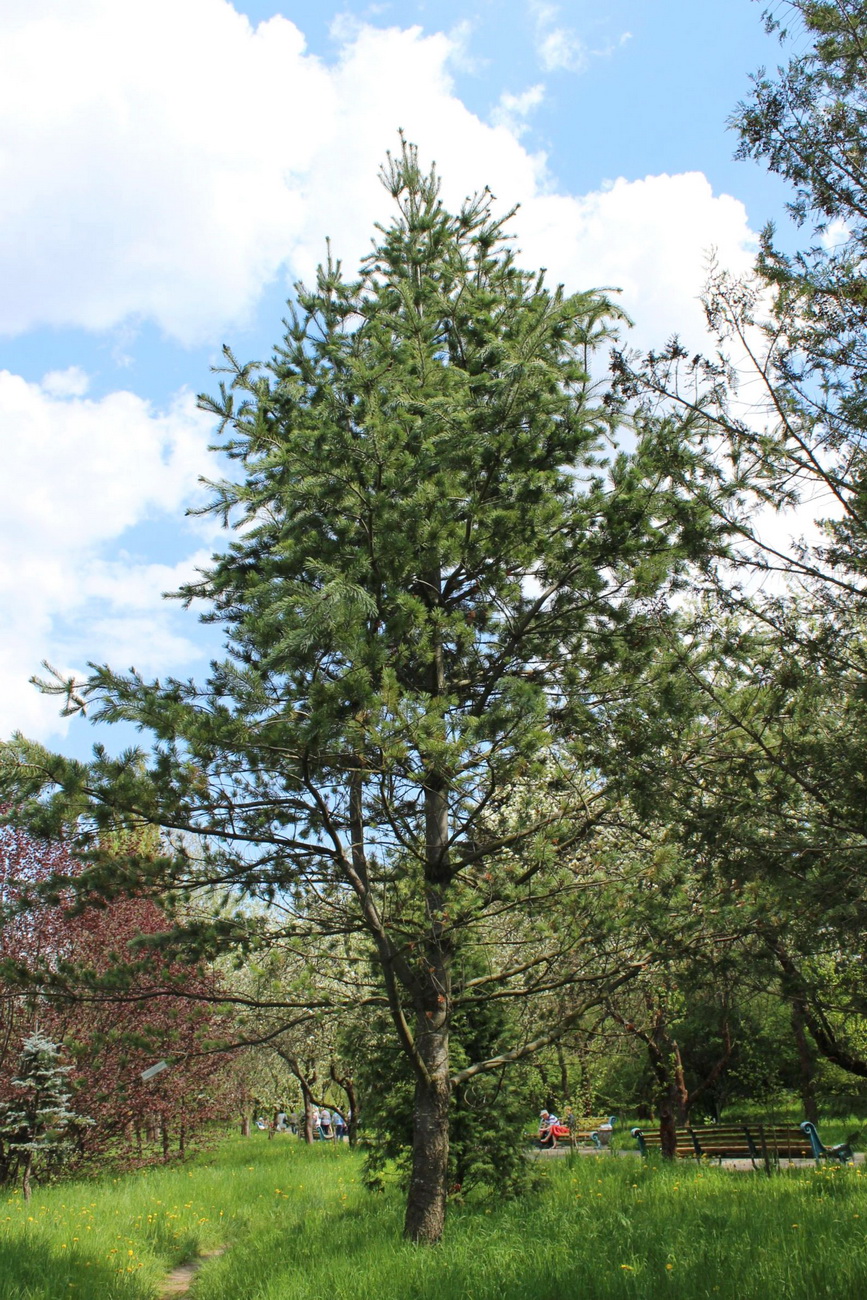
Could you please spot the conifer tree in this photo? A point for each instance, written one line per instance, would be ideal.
(435, 572)
(34, 1126)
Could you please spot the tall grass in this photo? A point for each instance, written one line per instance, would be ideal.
(301, 1227)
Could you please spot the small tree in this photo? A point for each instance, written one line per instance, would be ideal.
(35, 1124)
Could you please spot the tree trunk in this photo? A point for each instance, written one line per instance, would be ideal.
(668, 1068)
(347, 1083)
(806, 1065)
(681, 1093)
(28, 1169)
(306, 1082)
(165, 1128)
(245, 1126)
(308, 1109)
(795, 987)
(668, 1124)
(426, 1202)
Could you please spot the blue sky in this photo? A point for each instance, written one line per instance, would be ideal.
(171, 166)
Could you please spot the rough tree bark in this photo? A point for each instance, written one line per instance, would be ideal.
(428, 1188)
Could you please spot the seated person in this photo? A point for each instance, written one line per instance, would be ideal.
(550, 1129)
(547, 1123)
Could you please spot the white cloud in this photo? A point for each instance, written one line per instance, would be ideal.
(461, 56)
(649, 238)
(77, 475)
(835, 234)
(164, 159)
(561, 50)
(558, 49)
(148, 150)
(512, 111)
(72, 382)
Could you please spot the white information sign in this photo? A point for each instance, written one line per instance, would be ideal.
(154, 1070)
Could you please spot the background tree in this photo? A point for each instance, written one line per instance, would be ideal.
(769, 778)
(809, 125)
(793, 339)
(89, 978)
(758, 787)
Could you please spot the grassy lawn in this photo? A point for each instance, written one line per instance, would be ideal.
(300, 1227)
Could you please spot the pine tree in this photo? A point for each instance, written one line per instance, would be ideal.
(436, 573)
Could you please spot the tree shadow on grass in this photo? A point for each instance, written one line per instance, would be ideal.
(29, 1271)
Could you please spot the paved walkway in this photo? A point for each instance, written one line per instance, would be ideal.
(547, 1153)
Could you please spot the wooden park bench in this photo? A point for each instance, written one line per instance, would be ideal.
(650, 1142)
(768, 1143)
(751, 1142)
